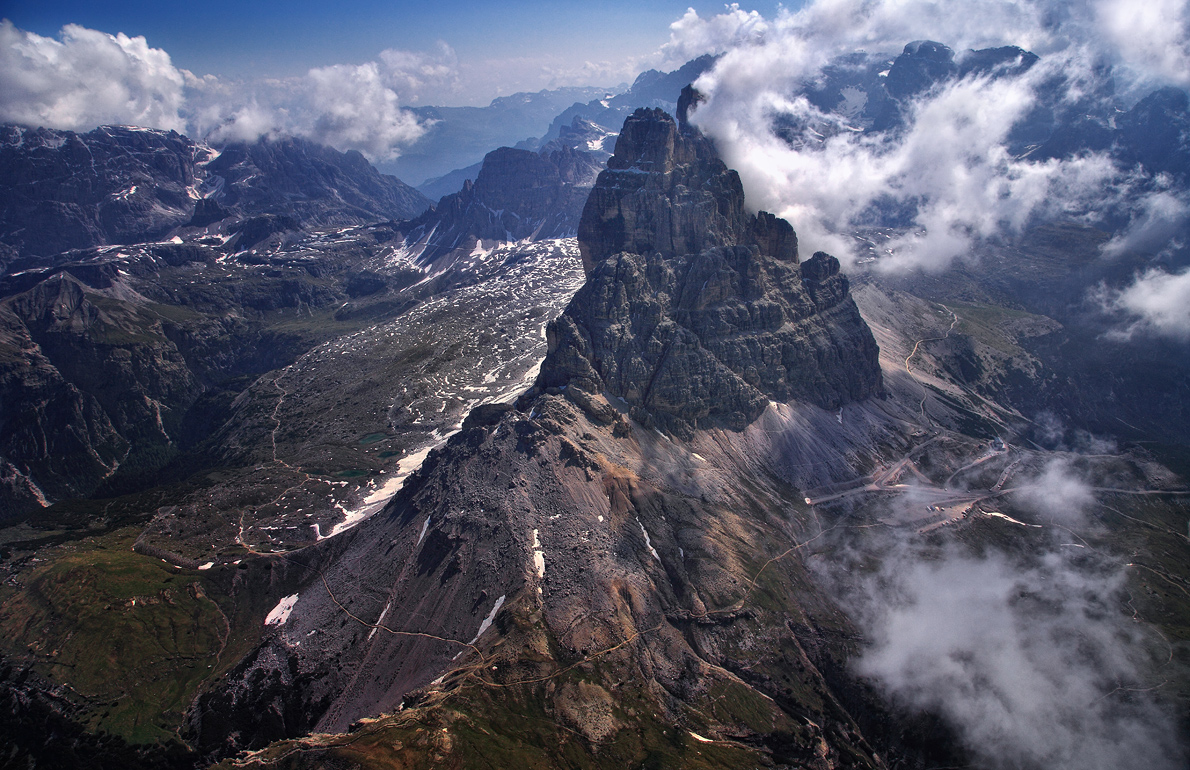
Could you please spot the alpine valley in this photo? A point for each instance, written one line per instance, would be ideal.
(585, 463)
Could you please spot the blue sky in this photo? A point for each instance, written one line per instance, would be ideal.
(500, 48)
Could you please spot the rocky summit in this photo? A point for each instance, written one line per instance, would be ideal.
(697, 312)
(562, 564)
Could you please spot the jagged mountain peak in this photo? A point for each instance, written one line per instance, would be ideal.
(695, 311)
(561, 527)
(666, 190)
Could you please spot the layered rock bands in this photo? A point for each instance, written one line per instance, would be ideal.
(695, 311)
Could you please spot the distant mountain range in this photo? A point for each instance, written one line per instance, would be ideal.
(458, 137)
(438, 163)
(123, 185)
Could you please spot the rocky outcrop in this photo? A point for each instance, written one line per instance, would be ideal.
(518, 194)
(1006, 60)
(922, 64)
(695, 311)
(60, 190)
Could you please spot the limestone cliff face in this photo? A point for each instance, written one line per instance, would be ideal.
(695, 311)
(518, 194)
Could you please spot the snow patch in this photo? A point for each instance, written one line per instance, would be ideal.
(208, 565)
(421, 537)
(487, 622)
(648, 541)
(1008, 518)
(538, 556)
(380, 619)
(378, 497)
(280, 613)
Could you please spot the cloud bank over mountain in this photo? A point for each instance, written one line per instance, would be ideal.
(87, 78)
(952, 159)
(953, 166)
(1028, 657)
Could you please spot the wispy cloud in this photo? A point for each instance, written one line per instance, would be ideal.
(1059, 494)
(1159, 219)
(1025, 661)
(1029, 657)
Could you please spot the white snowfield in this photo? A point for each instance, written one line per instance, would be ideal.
(281, 612)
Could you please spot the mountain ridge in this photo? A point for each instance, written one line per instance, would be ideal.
(120, 185)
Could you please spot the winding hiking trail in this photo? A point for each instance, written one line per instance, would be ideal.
(925, 391)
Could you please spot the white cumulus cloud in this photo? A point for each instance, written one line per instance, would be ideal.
(348, 106)
(351, 107)
(87, 78)
(1156, 302)
(692, 35)
(950, 166)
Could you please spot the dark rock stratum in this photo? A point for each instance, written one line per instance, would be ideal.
(695, 311)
